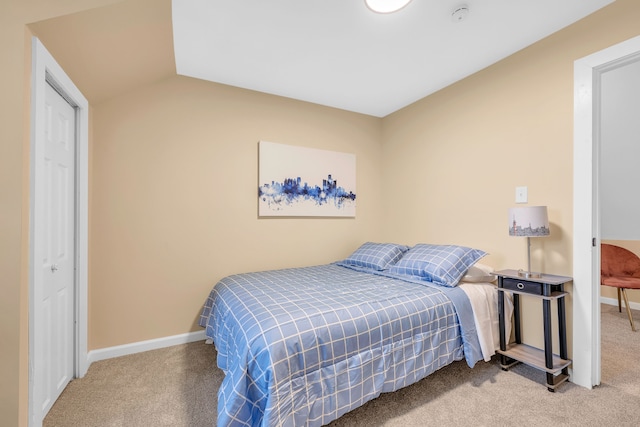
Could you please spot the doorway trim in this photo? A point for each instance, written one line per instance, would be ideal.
(586, 212)
(44, 68)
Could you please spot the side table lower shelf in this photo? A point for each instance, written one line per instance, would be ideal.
(546, 288)
(535, 358)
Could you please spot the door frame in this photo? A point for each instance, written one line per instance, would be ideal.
(586, 206)
(45, 69)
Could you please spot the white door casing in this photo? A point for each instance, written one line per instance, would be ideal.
(57, 233)
(586, 215)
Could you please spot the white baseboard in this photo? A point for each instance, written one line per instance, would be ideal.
(139, 347)
(614, 301)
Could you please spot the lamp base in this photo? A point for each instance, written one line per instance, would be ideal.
(529, 274)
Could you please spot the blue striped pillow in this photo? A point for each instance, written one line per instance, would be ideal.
(377, 256)
(441, 264)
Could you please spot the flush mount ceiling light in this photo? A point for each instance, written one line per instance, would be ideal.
(386, 6)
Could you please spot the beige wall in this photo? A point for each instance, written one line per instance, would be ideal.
(453, 159)
(157, 218)
(174, 200)
(14, 184)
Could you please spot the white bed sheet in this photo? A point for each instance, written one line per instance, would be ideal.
(484, 301)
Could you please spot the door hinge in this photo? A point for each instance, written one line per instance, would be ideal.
(593, 242)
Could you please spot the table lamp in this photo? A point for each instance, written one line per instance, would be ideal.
(528, 221)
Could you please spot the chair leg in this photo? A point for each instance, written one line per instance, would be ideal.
(619, 304)
(626, 303)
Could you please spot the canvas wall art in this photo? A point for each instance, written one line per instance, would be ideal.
(301, 181)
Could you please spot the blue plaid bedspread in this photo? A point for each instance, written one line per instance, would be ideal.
(304, 346)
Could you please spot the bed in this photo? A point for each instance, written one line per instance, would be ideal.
(303, 346)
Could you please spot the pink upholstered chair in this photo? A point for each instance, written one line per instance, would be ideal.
(620, 268)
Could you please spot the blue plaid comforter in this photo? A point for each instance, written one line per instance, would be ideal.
(304, 346)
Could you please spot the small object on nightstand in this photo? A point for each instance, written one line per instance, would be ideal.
(547, 287)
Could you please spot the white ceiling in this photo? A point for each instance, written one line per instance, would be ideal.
(340, 54)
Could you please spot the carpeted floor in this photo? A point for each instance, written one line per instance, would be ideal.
(177, 386)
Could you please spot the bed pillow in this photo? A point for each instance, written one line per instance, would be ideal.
(441, 264)
(479, 273)
(377, 256)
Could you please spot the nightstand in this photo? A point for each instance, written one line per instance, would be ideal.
(546, 288)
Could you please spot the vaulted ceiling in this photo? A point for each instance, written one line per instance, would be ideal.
(331, 52)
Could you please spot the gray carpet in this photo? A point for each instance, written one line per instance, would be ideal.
(177, 386)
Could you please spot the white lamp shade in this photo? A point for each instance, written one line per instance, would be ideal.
(528, 221)
(386, 6)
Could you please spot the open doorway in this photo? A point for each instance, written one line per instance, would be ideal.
(619, 213)
(588, 74)
(619, 174)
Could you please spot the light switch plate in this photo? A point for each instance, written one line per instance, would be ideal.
(521, 195)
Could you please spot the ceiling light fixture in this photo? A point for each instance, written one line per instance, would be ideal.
(386, 6)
